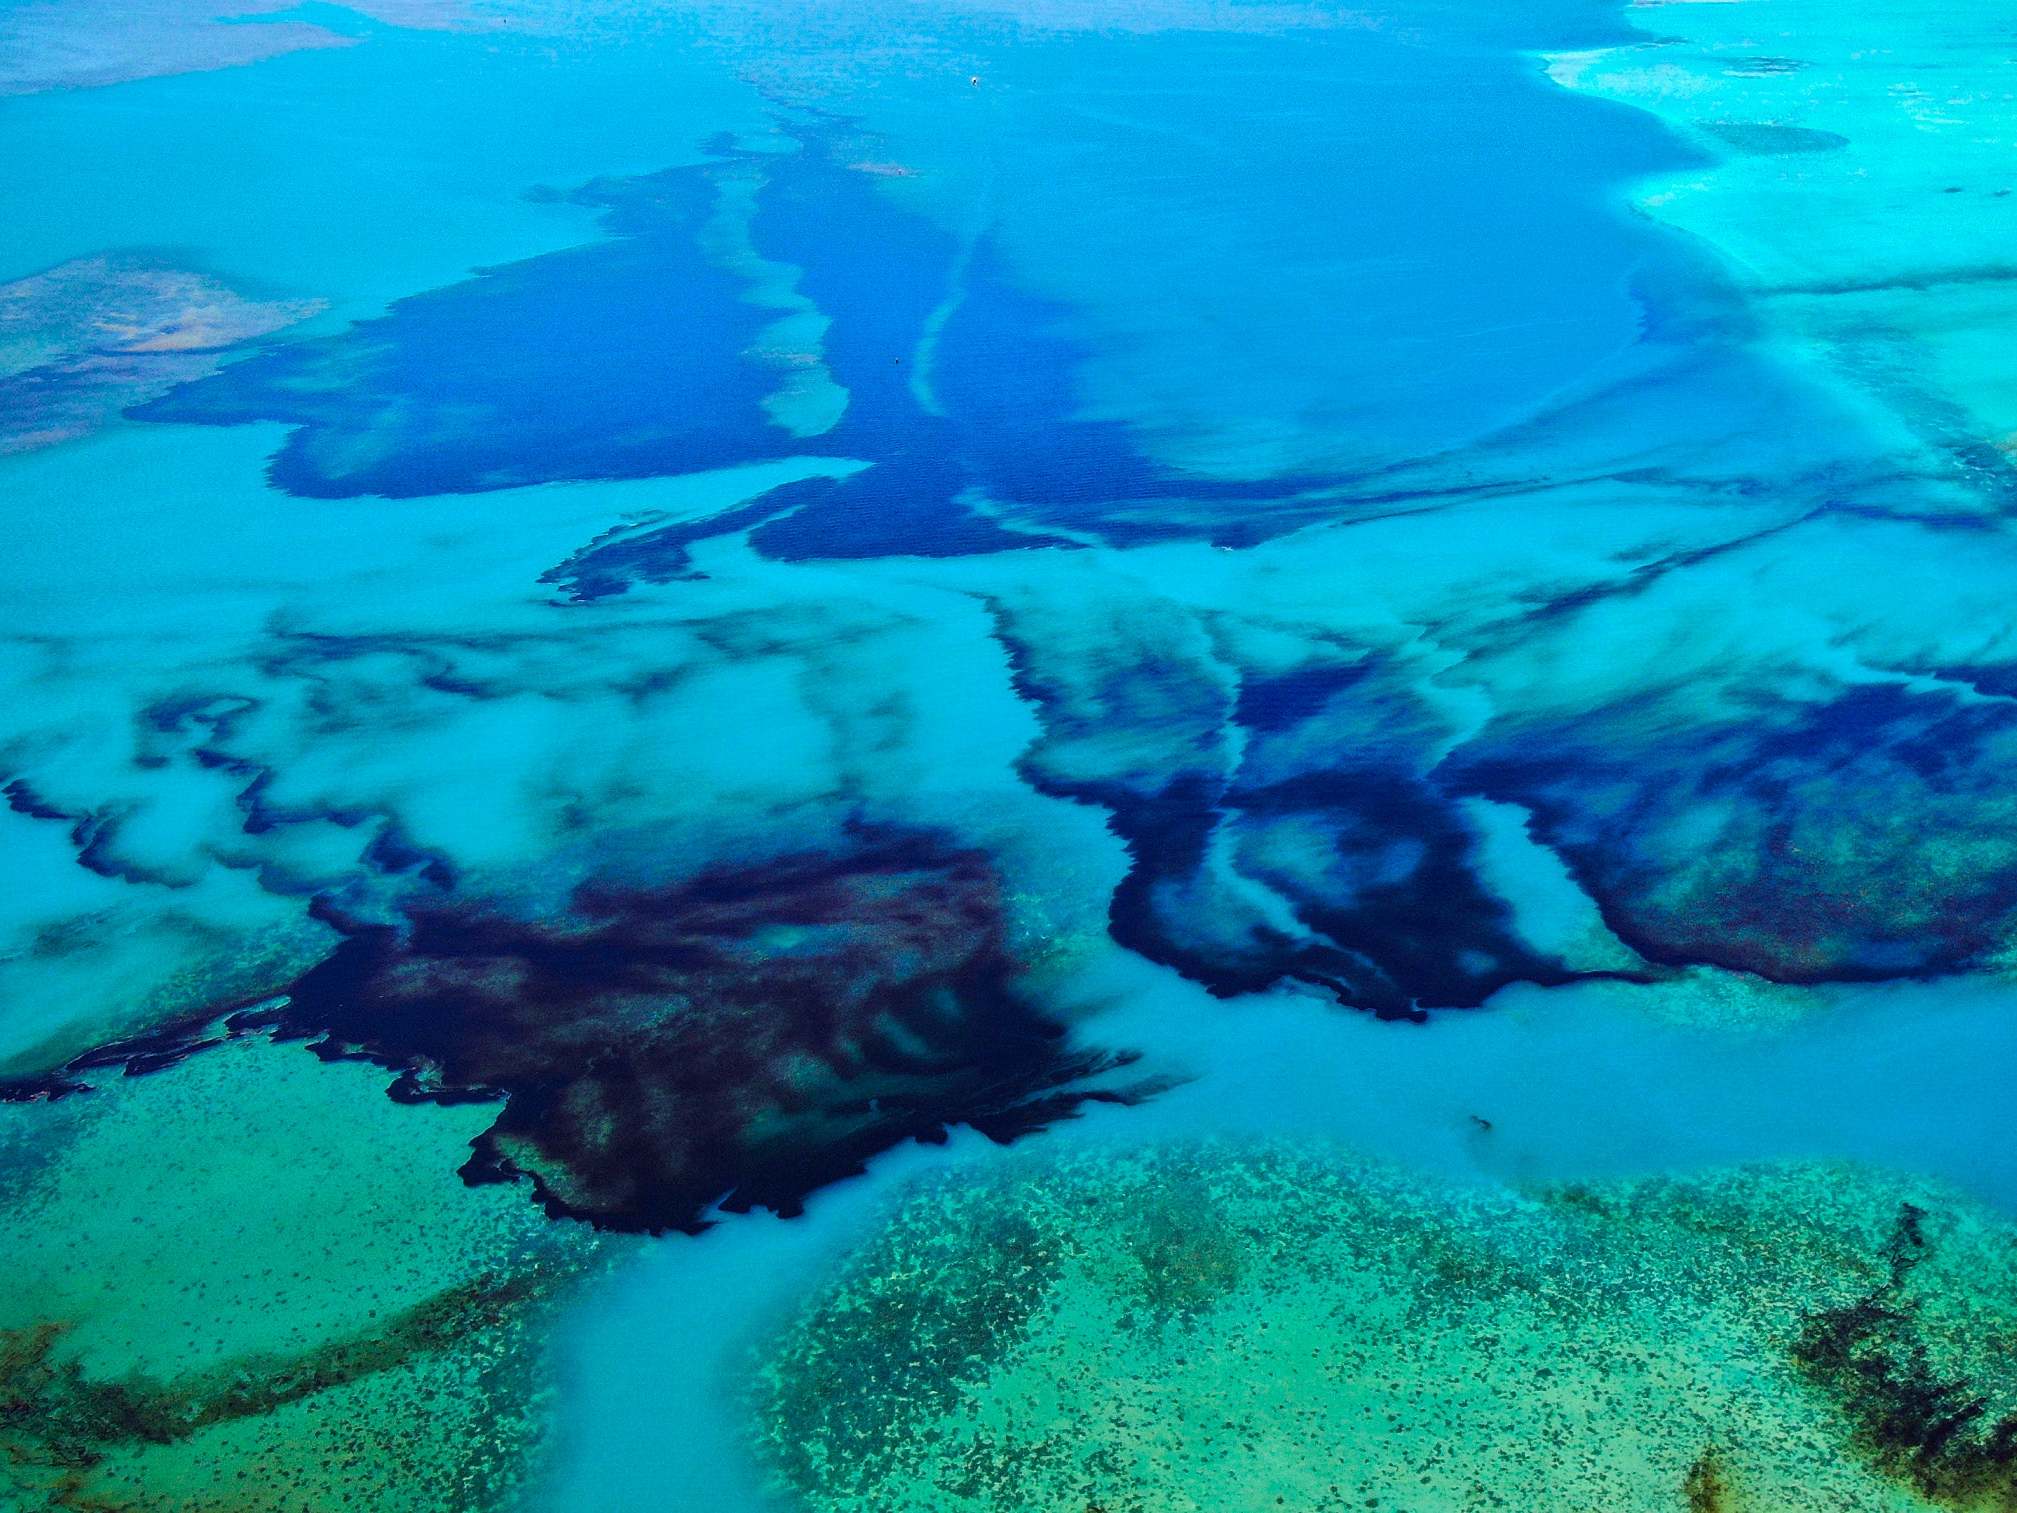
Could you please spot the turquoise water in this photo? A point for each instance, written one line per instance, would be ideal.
(746, 608)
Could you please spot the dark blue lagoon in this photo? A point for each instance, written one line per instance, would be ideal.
(1007, 756)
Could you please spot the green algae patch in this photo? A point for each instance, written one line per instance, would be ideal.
(1219, 1328)
(253, 1282)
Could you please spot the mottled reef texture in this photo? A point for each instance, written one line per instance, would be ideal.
(256, 1285)
(1251, 1329)
(59, 1426)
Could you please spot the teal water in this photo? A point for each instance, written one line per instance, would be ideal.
(750, 610)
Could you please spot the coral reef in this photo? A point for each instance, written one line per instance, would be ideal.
(1219, 1327)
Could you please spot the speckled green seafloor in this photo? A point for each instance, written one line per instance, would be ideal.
(1222, 1329)
(257, 1283)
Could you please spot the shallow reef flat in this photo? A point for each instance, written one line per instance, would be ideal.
(257, 1284)
(1861, 189)
(1248, 1327)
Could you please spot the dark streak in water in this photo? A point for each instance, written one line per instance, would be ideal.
(735, 1040)
(1393, 915)
(140, 1055)
(623, 359)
